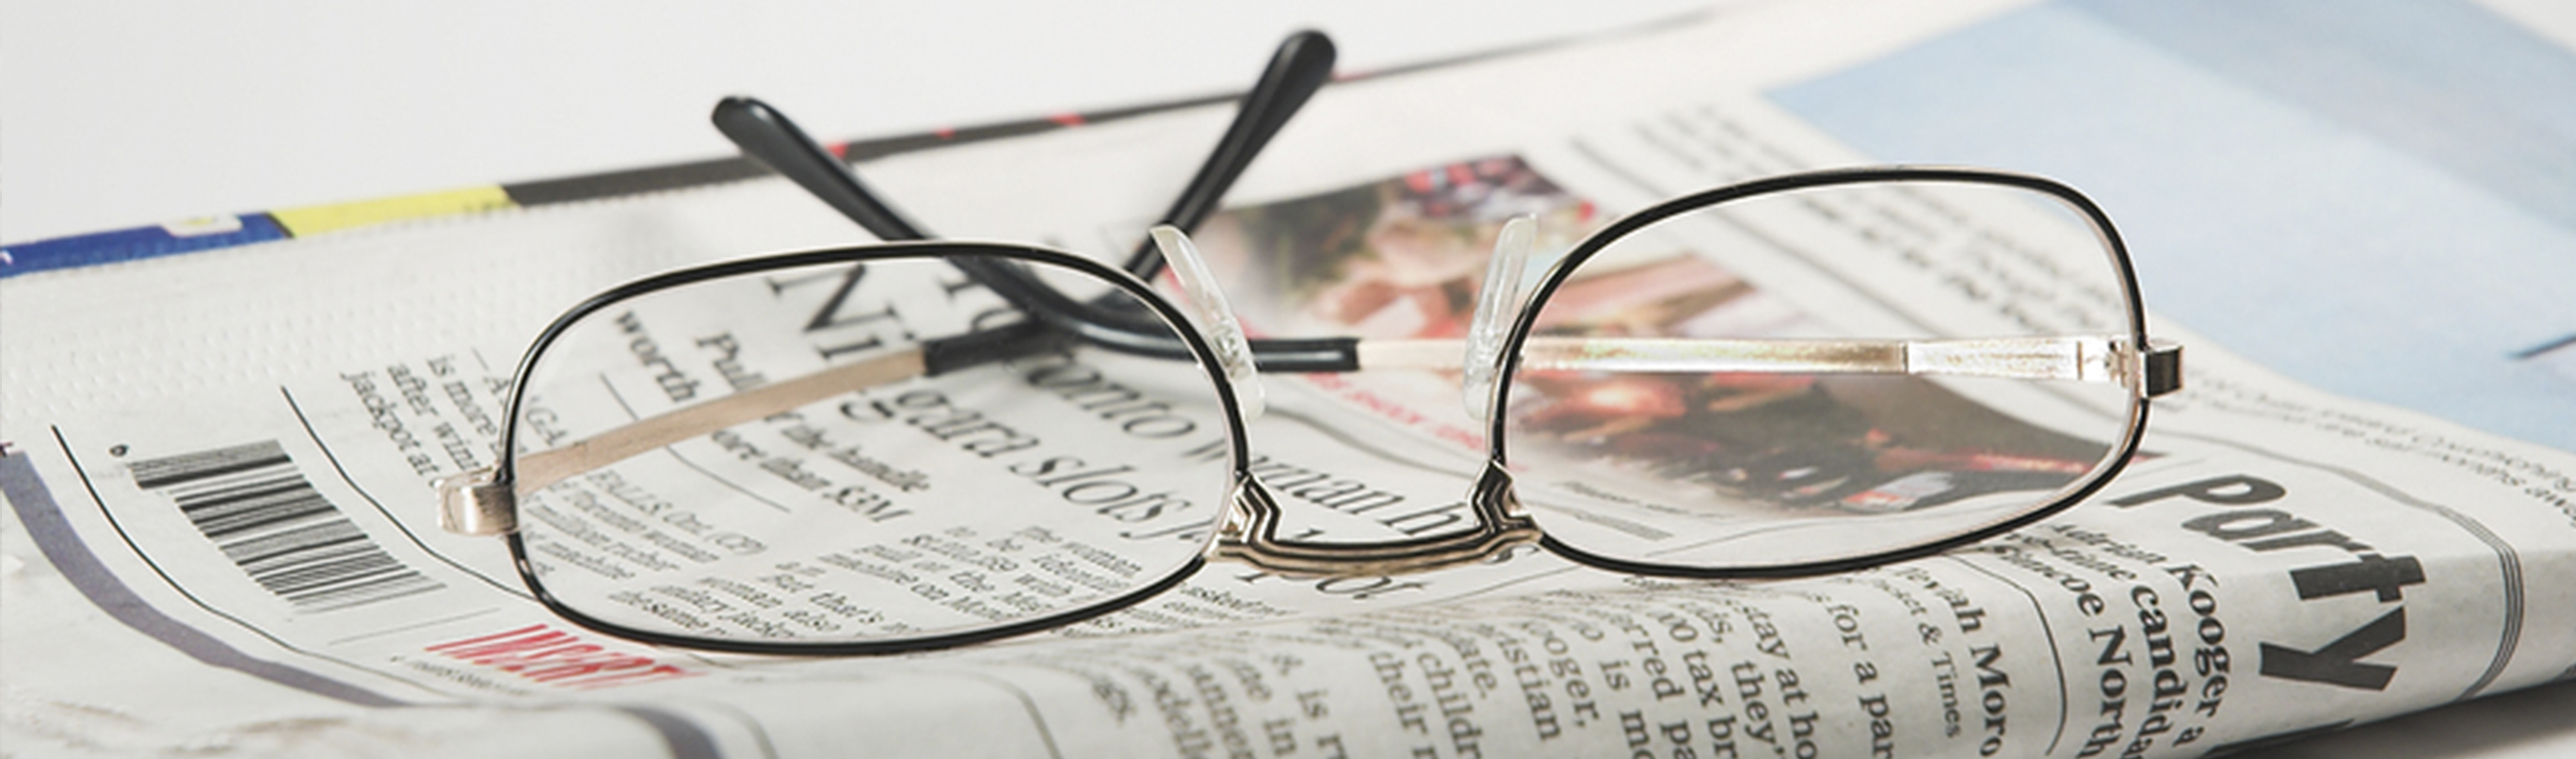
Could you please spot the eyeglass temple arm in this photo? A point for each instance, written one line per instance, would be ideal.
(2154, 371)
(535, 471)
(474, 504)
(1303, 64)
(2086, 358)
(2151, 370)
(769, 137)
(468, 507)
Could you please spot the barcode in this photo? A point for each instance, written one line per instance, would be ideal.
(261, 512)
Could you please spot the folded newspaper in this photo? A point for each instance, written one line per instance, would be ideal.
(2277, 560)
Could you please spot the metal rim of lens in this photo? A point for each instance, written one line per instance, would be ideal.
(1163, 308)
(2066, 496)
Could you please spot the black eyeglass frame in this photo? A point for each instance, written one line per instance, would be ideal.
(2160, 371)
(980, 348)
(1248, 529)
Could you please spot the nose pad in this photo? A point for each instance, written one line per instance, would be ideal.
(1494, 314)
(1213, 318)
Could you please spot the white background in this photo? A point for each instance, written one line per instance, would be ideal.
(120, 114)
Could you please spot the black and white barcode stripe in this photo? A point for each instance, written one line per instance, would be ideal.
(268, 519)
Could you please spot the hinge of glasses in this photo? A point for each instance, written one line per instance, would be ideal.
(471, 504)
(2160, 368)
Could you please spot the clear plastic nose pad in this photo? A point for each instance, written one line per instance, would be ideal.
(1494, 313)
(1214, 318)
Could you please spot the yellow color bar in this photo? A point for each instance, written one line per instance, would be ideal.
(315, 220)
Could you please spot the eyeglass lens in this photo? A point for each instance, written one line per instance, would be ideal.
(1699, 463)
(917, 507)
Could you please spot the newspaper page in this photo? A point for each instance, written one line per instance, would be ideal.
(2249, 577)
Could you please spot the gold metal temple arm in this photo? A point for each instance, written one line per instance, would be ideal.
(472, 504)
(2083, 358)
(537, 470)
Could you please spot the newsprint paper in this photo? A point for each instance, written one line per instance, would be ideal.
(2275, 561)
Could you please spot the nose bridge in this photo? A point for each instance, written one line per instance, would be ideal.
(1249, 533)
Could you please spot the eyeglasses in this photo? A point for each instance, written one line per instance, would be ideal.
(698, 458)
(928, 444)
